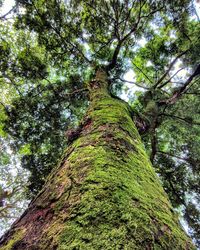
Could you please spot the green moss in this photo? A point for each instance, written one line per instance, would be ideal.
(16, 237)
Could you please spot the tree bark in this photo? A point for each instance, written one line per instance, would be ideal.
(104, 194)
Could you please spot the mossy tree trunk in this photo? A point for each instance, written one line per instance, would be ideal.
(104, 194)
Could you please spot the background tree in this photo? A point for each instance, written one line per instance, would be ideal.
(57, 50)
(12, 187)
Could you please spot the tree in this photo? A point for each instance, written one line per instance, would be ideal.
(104, 193)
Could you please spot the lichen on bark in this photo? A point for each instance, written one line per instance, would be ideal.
(105, 193)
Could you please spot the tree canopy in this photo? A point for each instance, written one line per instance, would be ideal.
(51, 49)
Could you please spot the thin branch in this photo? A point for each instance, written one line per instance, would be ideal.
(104, 12)
(143, 73)
(6, 207)
(116, 19)
(113, 62)
(172, 155)
(192, 93)
(169, 80)
(3, 105)
(177, 94)
(9, 12)
(191, 122)
(105, 44)
(169, 68)
(70, 93)
(8, 217)
(153, 12)
(179, 199)
(138, 85)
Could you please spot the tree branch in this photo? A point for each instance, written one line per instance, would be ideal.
(143, 73)
(177, 94)
(169, 80)
(113, 62)
(138, 85)
(9, 12)
(172, 155)
(169, 68)
(181, 118)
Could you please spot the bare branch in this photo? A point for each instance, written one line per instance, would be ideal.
(73, 45)
(187, 120)
(169, 68)
(172, 155)
(138, 85)
(177, 94)
(136, 24)
(9, 12)
(169, 80)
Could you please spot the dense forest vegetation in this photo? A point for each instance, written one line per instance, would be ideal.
(51, 55)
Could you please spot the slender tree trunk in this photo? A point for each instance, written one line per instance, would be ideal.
(104, 194)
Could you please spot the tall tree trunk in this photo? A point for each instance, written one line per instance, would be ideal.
(104, 194)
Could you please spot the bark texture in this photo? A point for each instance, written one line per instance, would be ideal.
(104, 194)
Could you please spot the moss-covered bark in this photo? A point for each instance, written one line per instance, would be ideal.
(104, 194)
